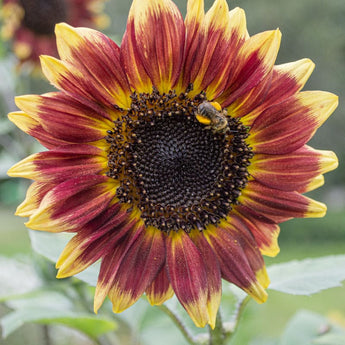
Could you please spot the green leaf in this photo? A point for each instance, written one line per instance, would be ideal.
(307, 276)
(264, 342)
(330, 339)
(50, 245)
(91, 325)
(17, 276)
(303, 328)
(307, 328)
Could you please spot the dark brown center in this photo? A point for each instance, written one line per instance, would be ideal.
(40, 16)
(178, 172)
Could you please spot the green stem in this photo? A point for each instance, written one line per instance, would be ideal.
(222, 333)
(218, 335)
(189, 337)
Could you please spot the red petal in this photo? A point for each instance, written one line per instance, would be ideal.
(292, 171)
(251, 66)
(225, 33)
(264, 230)
(65, 118)
(32, 127)
(284, 81)
(111, 263)
(287, 126)
(61, 164)
(73, 203)
(138, 268)
(239, 258)
(94, 241)
(34, 196)
(96, 64)
(187, 274)
(154, 41)
(160, 289)
(279, 205)
(214, 281)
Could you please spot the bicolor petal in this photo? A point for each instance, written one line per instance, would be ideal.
(98, 59)
(32, 127)
(73, 203)
(138, 268)
(264, 230)
(253, 63)
(89, 245)
(239, 258)
(188, 276)
(66, 118)
(280, 205)
(285, 80)
(34, 196)
(66, 162)
(112, 261)
(213, 276)
(287, 126)
(160, 55)
(292, 171)
(160, 290)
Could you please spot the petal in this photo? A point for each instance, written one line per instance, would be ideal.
(138, 268)
(292, 171)
(316, 183)
(225, 32)
(279, 205)
(65, 118)
(34, 196)
(253, 63)
(285, 80)
(73, 203)
(156, 33)
(213, 275)
(32, 127)
(239, 258)
(61, 164)
(111, 263)
(264, 230)
(98, 58)
(187, 275)
(287, 126)
(160, 289)
(94, 241)
(192, 57)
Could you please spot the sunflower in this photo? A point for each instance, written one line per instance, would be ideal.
(174, 157)
(30, 24)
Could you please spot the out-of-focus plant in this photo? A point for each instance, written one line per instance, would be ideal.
(33, 295)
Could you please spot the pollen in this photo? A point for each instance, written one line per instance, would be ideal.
(178, 173)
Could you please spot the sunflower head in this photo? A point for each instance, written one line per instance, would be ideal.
(173, 157)
(30, 24)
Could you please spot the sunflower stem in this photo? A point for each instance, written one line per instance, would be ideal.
(177, 321)
(218, 334)
(223, 332)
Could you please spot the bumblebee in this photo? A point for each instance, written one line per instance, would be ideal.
(212, 115)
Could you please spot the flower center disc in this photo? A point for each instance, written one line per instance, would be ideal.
(40, 16)
(179, 173)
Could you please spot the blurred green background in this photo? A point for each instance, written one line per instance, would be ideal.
(310, 28)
